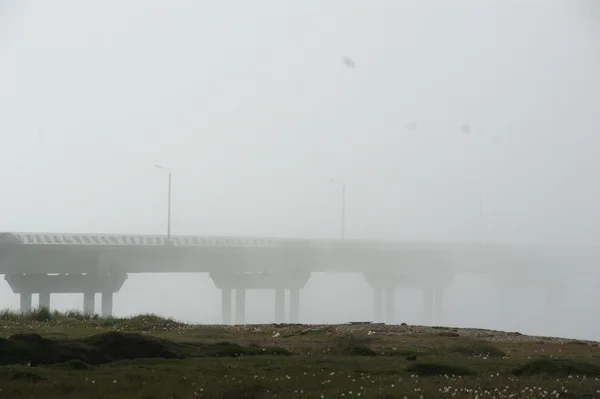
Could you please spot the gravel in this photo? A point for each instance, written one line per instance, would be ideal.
(400, 330)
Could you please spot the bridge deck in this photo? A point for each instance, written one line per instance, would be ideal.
(83, 253)
(221, 241)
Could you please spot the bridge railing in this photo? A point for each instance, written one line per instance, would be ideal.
(234, 242)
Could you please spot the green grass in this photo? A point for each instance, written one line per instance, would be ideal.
(70, 355)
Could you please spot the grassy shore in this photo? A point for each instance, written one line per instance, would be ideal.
(70, 355)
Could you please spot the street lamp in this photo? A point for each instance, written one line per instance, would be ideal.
(343, 205)
(169, 205)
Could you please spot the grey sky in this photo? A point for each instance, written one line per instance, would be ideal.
(251, 107)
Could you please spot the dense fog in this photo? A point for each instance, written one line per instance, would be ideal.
(465, 120)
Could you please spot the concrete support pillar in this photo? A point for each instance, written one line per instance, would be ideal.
(279, 305)
(507, 300)
(240, 306)
(438, 310)
(25, 301)
(88, 303)
(44, 300)
(389, 305)
(295, 305)
(377, 304)
(226, 294)
(107, 304)
(552, 308)
(428, 296)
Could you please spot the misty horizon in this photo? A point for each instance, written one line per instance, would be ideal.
(474, 121)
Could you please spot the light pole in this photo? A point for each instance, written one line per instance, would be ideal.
(343, 207)
(480, 156)
(169, 205)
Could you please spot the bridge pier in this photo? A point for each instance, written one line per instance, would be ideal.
(89, 303)
(438, 305)
(506, 300)
(242, 281)
(537, 296)
(389, 304)
(47, 284)
(44, 300)
(428, 295)
(383, 300)
(240, 306)
(553, 305)
(226, 294)
(384, 285)
(107, 303)
(433, 305)
(295, 305)
(279, 305)
(25, 301)
(377, 303)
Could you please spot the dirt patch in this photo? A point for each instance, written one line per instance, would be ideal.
(21, 375)
(71, 365)
(358, 351)
(120, 346)
(558, 368)
(34, 350)
(452, 334)
(476, 348)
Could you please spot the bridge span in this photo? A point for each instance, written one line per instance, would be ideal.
(46, 263)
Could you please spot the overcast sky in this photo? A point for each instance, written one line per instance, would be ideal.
(252, 108)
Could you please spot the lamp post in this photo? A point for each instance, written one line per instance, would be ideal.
(343, 207)
(169, 205)
(483, 229)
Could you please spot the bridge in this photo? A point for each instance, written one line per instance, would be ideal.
(47, 263)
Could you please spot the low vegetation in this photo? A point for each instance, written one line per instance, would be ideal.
(70, 355)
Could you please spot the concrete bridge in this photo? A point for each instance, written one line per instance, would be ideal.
(100, 263)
